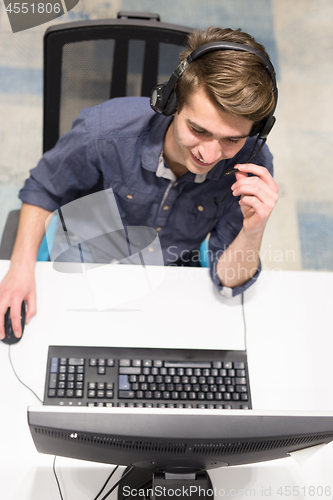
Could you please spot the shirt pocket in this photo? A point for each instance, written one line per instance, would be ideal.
(136, 208)
(195, 218)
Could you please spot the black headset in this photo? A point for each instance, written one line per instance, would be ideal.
(163, 97)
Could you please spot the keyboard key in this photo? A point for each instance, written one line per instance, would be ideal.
(124, 362)
(187, 364)
(123, 383)
(239, 365)
(54, 365)
(53, 381)
(126, 394)
(76, 361)
(130, 370)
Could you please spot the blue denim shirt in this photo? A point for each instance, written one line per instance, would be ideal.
(117, 145)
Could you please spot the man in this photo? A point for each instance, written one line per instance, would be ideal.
(166, 172)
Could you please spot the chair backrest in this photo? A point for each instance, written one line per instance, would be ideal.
(88, 62)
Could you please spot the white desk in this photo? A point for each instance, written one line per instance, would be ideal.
(289, 336)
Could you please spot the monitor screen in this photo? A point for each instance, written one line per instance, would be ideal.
(173, 440)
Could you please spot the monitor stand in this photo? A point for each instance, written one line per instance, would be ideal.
(180, 485)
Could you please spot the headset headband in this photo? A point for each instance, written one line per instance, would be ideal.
(163, 98)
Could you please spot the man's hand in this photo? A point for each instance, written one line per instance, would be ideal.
(17, 285)
(259, 194)
(19, 282)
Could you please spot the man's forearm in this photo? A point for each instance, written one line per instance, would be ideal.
(239, 262)
(31, 230)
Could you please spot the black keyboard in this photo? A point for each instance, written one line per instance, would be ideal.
(140, 377)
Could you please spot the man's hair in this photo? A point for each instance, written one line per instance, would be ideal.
(235, 81)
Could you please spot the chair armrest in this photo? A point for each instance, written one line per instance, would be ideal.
(9, 235)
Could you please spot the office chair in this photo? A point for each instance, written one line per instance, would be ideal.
(88, 62)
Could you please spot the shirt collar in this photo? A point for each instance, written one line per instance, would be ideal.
(167, 173)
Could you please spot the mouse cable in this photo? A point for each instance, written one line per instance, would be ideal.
(244, 321)
(118, 482)
(56, 478)
(106, 482)
(18, 378)
(58, 483)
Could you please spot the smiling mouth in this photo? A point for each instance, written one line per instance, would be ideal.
(201, 162)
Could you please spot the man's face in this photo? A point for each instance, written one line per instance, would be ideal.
(201, 135)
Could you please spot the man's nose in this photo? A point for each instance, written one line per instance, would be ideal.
(211, 151)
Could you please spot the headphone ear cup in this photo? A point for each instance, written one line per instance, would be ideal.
(263, 128)
(267, 127)
(171, 104)
(257, 128)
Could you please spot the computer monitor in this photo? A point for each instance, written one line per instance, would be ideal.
(178, 443)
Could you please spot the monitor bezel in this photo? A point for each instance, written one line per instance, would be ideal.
(175, 439)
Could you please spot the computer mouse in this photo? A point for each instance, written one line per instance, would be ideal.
(9, 334)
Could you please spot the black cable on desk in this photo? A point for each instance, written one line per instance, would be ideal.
(106, 482)
(56, 478)
(98, 494)
(118, 482)
(18, 378)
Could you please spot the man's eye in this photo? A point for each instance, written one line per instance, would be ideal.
(197, 132)
(233, 141)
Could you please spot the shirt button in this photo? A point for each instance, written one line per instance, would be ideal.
(150, 249)
(201, 208)
(129, 196)
(158, 229)
(166, 207)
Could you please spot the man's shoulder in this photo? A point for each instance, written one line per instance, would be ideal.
(122, 116)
